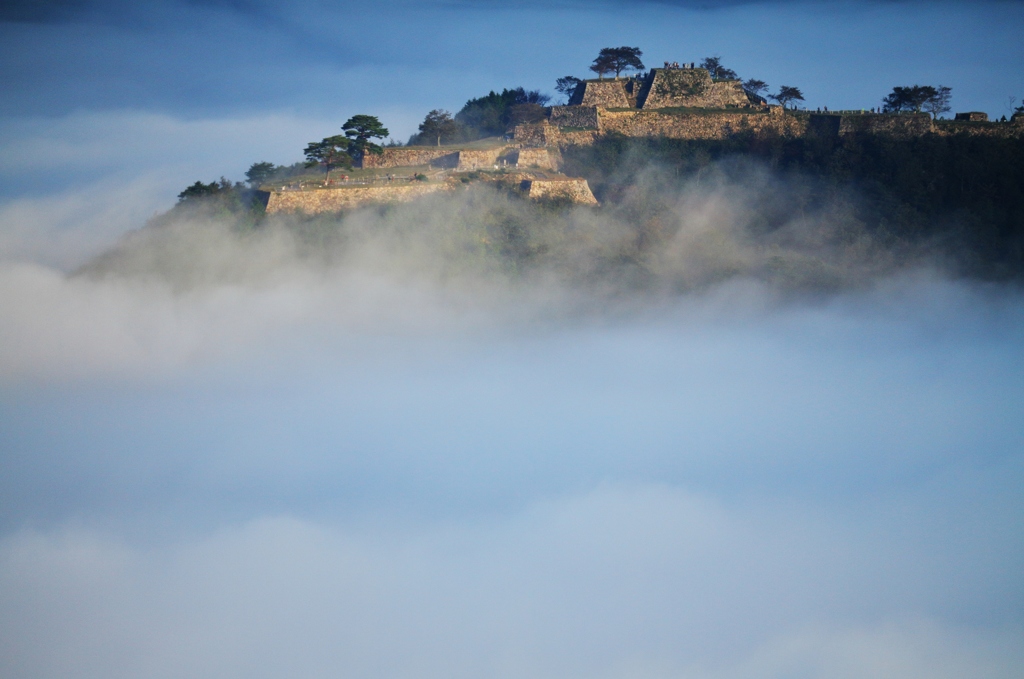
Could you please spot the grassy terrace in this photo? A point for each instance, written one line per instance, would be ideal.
(477, 145)
(357, 178)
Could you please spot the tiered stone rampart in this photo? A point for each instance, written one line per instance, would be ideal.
(606, 93)
(699, 125)
(440, 157)
(575, 190)
(582, 117)
(536, 157)
(411, 156)
(1012, 129)
(536, 135)
(772, 121)
(904, 125)
(333, 200)
(689, 87)
(477, 159)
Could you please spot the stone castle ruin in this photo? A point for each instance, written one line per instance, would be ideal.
(674, 102)
(671, 87)
(685, 102)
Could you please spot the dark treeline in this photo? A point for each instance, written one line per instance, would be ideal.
(960, 196)
(491, 115)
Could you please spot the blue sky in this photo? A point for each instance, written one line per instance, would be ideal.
(195, 59)
(100, 96)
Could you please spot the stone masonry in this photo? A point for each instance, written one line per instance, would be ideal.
(689, 88)
(575, 190)
(773, 121)
(582, 117)
(479, 159)
(901, 125)
(606, 93)
(536, 157)
(440, 157)
(699, 125)
(973, 116)
(410, 156)
(334, 200)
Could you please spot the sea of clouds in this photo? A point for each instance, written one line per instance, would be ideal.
(469, 437)
(394, 445)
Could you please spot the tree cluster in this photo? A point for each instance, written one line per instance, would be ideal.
(787, 94)
(492, 115)
(717, 70)
(567, 85)
(616, 60)
(756, 89)
(915, 98)
(439, 125)
(341, 150)
(199, 190)
(960, 197)
(218, 200)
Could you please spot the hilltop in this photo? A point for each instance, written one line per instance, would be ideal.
(908, 179)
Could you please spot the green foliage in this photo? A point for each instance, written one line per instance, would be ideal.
(519, 114)
(616, 60)
(939, 102)
(914, 98)
(717, 70)
(259, 173)
(567, 85)
(330, 152)
(491, 115)
(755, 89)
(360, 129)
(786, 94)
(439, 125)
(200, 191)
(219, 200)
(963, 194)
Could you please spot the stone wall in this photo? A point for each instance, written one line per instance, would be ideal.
(478, 159)
(700, 125)
(576, 190)
(539, 135)
(606, 93)
(576, 138)
(690, 88)
(542, 158)
(584, 117)
(973, 116)
(439, 156)
(534, 134)
(902, 125)
(334, 200)
(1010, 130)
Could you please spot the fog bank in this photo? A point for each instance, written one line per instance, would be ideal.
(697, 433)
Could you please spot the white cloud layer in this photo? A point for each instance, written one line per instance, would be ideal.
(285, 452)
(616, 582)
(228, 455)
